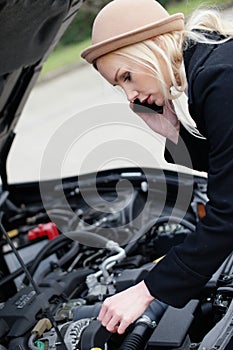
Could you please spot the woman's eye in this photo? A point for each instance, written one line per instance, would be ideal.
(127, 76)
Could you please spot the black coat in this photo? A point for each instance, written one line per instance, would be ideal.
(186, 268)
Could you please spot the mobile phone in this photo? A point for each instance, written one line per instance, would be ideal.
(139, 107)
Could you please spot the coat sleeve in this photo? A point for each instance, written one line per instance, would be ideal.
(187, 267)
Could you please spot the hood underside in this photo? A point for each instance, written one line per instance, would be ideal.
(29, 30)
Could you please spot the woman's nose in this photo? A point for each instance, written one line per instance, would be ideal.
(131, 95)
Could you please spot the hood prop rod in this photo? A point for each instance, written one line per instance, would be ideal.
(33, 283)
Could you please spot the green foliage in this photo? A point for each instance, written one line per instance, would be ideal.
(80, 28)
(164, 3)
(65, 56)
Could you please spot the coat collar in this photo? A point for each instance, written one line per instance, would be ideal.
(194, 57)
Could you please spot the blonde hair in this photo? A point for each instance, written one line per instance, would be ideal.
(170, 48)
(210, 20)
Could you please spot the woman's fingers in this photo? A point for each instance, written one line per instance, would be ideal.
(108, 316)
(122, 309)
(122, 327)
(103, 311)
(115, 322)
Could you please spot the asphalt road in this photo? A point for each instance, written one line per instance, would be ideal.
(76, 123)
(84, 125)
(228, 13)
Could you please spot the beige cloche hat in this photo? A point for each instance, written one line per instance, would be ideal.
(125, 22)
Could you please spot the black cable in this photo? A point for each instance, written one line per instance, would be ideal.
(56, 242)
(69, 255)
(158, 221)
(35, 263)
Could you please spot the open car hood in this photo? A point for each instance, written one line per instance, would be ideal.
(29, 30)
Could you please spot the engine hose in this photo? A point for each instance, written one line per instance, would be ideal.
(94, 336)
(86, 311)
(70, 254)
(56, 243)
(144, 326)
(88, 238)
(158, 221)
(137, 339)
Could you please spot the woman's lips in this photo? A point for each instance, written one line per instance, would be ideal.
(150, 101)
(147, 100)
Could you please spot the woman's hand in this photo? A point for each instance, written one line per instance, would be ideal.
(122, 309)
(166, 124)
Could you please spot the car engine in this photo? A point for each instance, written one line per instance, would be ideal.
(57, 267)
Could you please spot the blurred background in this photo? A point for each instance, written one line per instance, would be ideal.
(78, 34)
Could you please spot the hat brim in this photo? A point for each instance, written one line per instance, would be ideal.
(172, 23)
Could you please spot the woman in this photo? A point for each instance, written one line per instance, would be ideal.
(157, 59)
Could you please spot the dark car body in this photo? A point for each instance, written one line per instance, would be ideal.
(67, 244)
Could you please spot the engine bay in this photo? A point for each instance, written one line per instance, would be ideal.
(71, 263)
